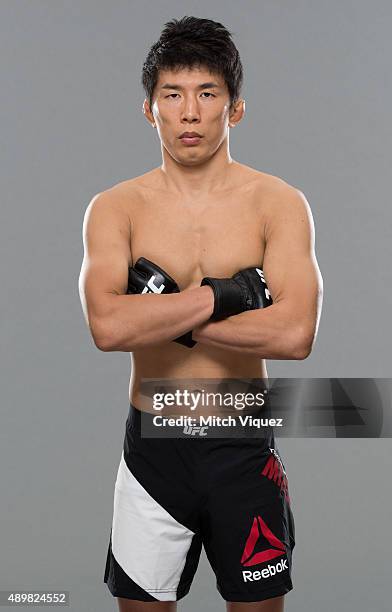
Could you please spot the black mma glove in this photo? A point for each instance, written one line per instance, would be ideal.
(147, 277)
(246, 290)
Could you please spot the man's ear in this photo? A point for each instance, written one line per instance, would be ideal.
(148, 113)
(237, 112)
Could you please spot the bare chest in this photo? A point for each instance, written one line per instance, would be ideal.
(193, 239)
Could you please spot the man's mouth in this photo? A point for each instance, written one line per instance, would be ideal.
(190, 138)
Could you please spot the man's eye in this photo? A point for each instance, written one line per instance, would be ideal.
(208, 93)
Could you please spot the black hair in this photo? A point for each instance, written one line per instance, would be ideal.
(193, 42)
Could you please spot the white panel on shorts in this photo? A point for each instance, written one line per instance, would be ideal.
(147, 542)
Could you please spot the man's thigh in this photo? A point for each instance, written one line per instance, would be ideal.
(276, 604)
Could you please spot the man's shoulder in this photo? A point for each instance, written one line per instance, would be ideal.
(274, 186)
(281, 202)
(271, 192)
(271, 184)
(122, 196)
(131, 186)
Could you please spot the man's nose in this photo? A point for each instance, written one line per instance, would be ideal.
(190, 111)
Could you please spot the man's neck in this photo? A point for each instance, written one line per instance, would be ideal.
(199, 179)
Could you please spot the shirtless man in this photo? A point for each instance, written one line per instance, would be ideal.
(199, 215)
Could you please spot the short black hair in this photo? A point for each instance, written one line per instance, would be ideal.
(194, 42)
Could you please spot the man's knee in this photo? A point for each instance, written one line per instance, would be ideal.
(133, 605)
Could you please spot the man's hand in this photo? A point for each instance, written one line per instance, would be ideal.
(246, 290)
(147, 277)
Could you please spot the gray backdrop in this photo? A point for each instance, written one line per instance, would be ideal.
(317, 90)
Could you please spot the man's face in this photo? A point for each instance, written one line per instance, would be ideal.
(190, 100)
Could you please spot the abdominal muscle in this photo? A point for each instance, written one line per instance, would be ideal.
(174, 362)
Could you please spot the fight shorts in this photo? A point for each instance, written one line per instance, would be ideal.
(173, 495)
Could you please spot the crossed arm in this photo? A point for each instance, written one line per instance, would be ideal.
(288, 328)
(120, 322)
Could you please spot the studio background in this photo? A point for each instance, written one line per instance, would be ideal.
(318, 97)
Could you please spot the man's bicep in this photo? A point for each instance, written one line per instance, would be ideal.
(290, 264)
(107, 255)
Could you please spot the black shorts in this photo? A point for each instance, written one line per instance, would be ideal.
(173, 495)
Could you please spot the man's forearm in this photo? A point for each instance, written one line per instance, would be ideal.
(267, 333)
(138, 321)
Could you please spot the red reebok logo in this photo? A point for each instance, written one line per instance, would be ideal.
(258, 530)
